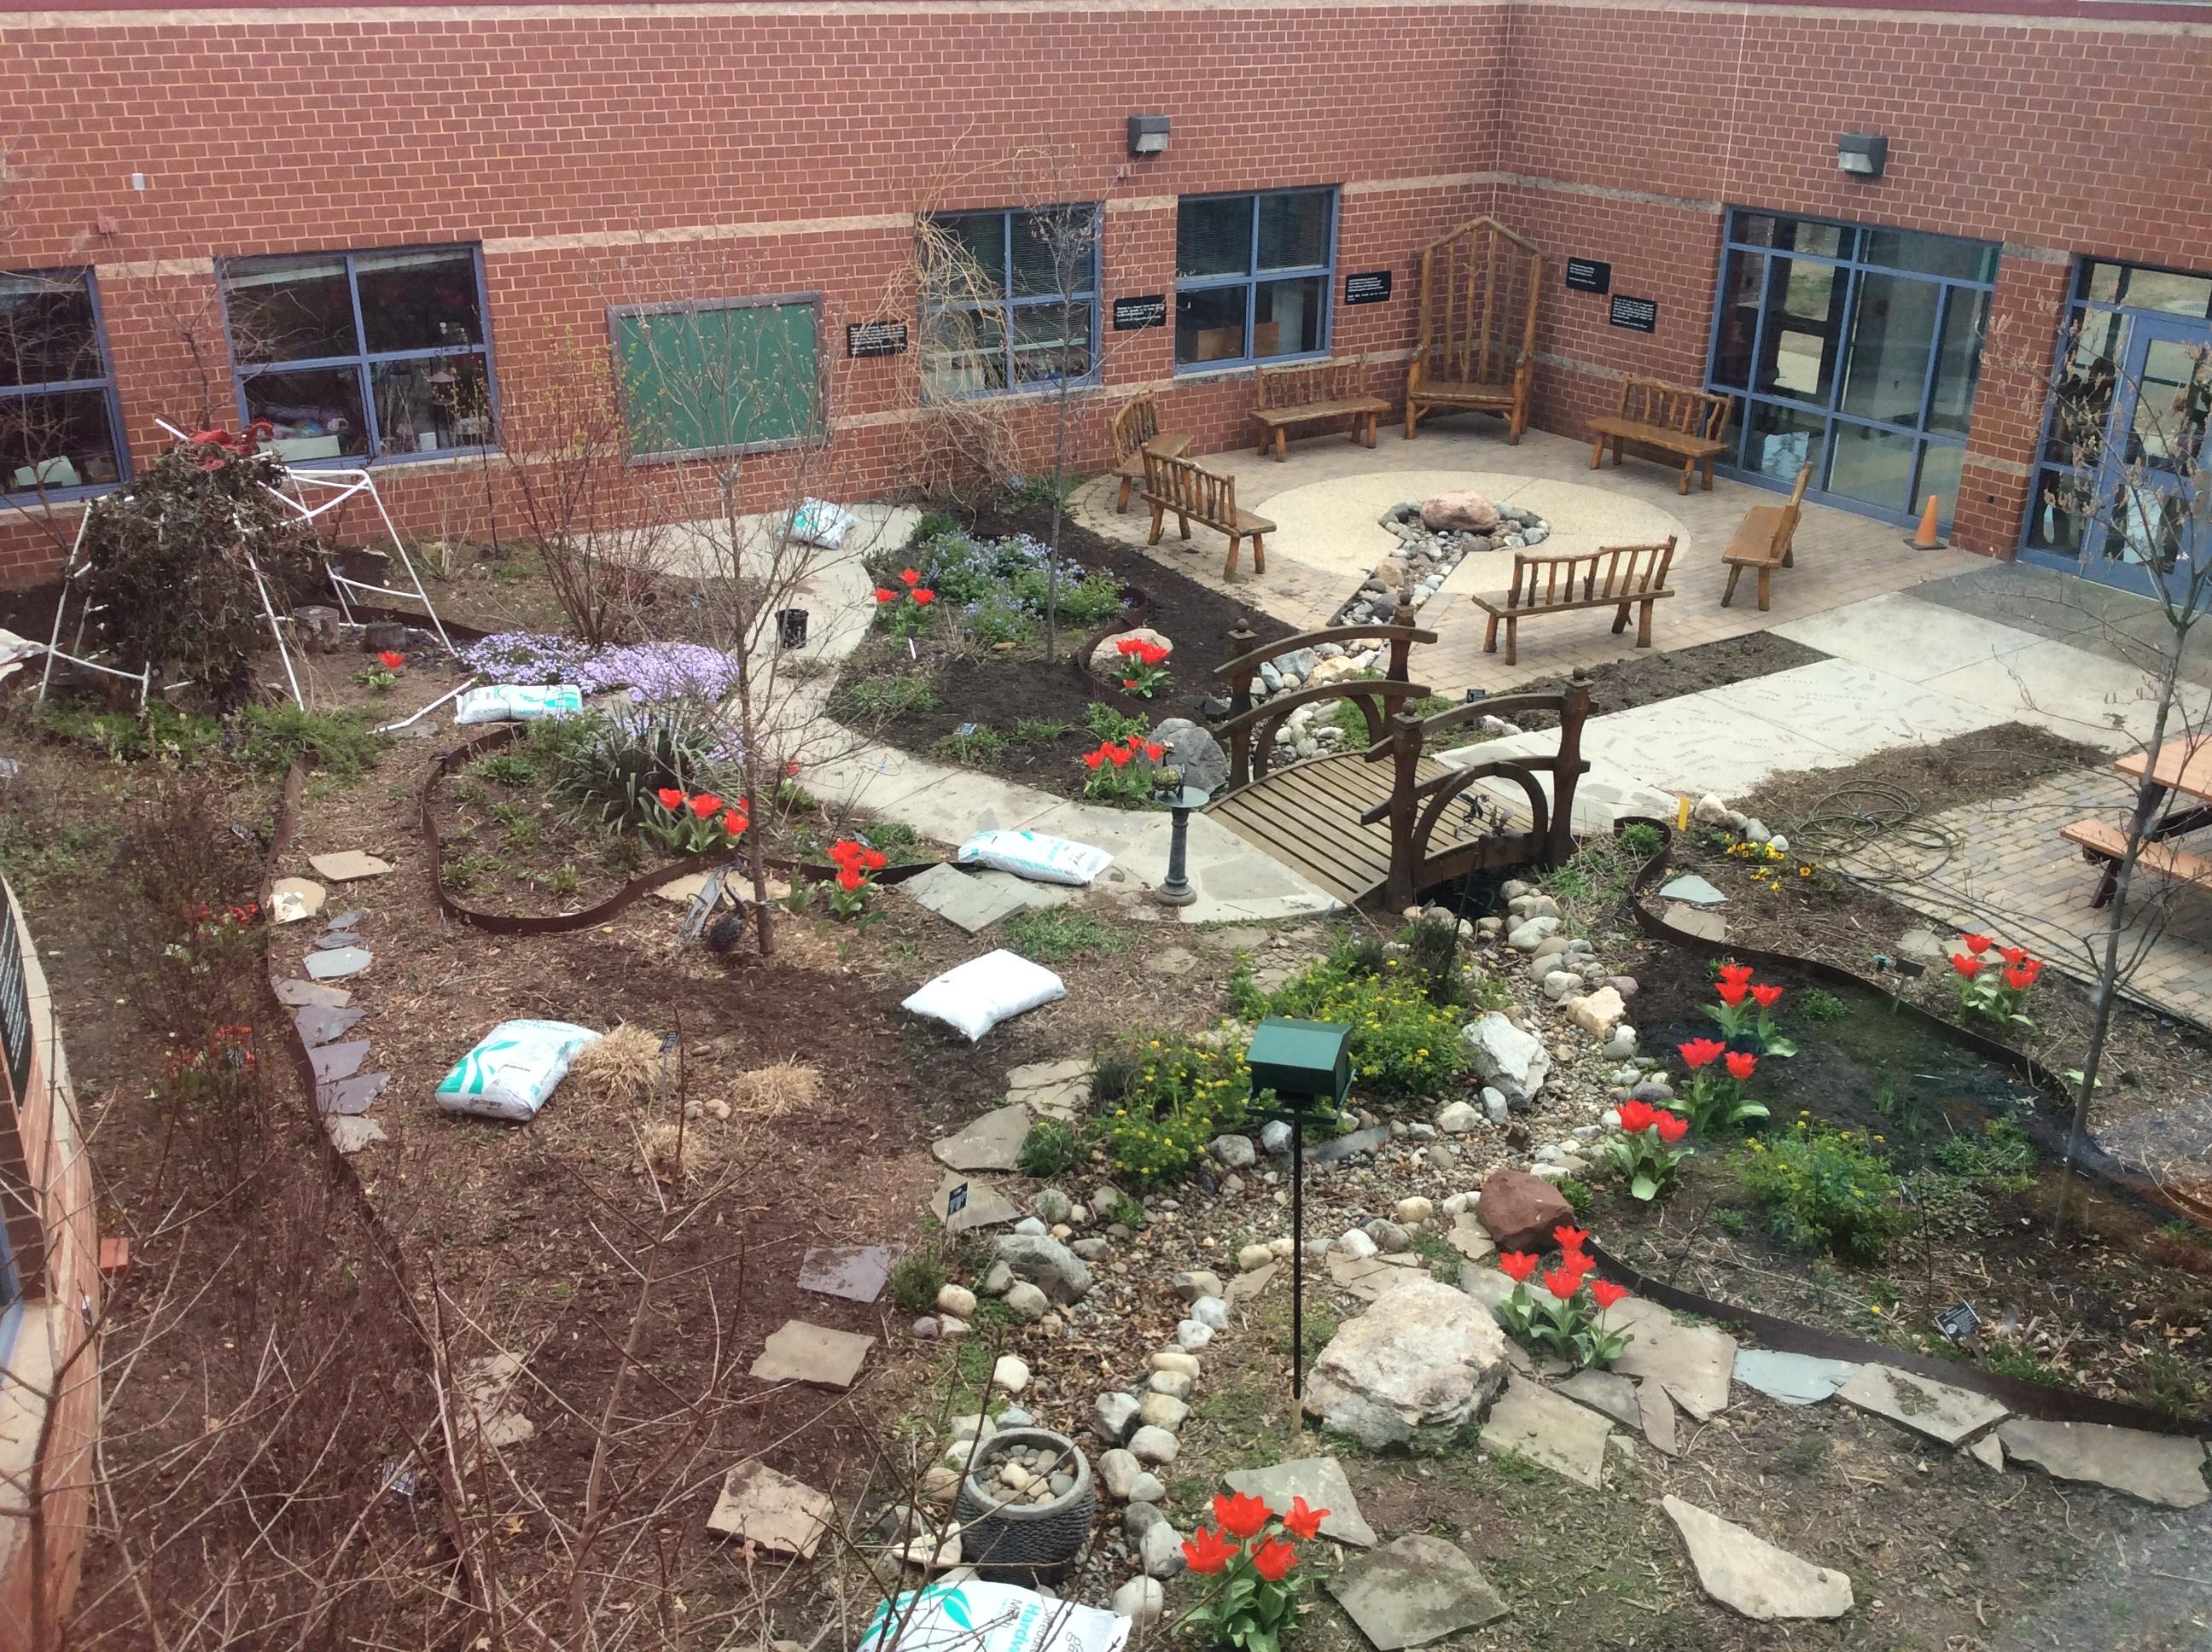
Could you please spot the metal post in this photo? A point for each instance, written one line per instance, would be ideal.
(1298, 1254)
(1177, 891)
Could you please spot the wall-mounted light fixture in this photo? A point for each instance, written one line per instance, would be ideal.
(1862, 154)
(1148, 135)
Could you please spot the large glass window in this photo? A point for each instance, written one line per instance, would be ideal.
(58, 429)
(1011, 298)
(362, 355)
(1253, 276)
(1855, 350)
(720, 376)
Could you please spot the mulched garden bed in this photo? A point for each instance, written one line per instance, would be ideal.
(1655, 676)
(1003, 690)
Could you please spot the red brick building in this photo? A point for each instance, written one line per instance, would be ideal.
(387, 227)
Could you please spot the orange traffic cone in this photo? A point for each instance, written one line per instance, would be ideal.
(1927, 538)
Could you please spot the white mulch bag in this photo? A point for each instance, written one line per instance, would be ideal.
(514, 702)
(1036, 856)
(977, 1617)
(509, 1074)
(982, 993)
(818, 522)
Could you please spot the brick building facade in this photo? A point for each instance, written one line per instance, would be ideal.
(596, 156)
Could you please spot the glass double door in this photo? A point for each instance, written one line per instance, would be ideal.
(2119, 489)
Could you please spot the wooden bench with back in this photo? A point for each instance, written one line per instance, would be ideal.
(1764, 540)
(1179, 486)
(1655, 415)
(1311, 393)
(1617, 576)
(1137, 431)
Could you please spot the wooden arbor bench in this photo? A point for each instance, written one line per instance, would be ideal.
(1762, 542)
(1476, 348)
(1311, 393)
(1137, 430)
(1618, 576)
(1682, 421)
(1192, 493)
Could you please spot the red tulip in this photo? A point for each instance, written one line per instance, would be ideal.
(1129, 683)
(1636, 1116)
(1565, 1281)
(705, 804)
(1700, 1052)
(1303, 1521)
(1569, 1238)
(1118, 755)
(734, 822)
(1965, 966)
(390, 658)
(1519, 1265)
(909, 578)
(1208, 1552)
(1977, 944)
(850, 878)
(1731, 993)
(883, 594)
(1735, 974)
(1741, 1063)
(1092, 759)
(2020, 978)
(1765, 996)
(670, 799)
(1672, 1127)
(1154, 751)
(1274, 1559)
(791, 768)
(2013, 954)
(873, 859)
(1241, 1514)
(925, 597)
(1607, 1293)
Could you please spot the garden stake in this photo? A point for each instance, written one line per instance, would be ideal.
(1301, 1061)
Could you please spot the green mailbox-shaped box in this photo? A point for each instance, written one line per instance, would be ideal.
(1302, 1061)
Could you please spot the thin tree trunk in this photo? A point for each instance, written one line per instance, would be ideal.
(749, 728)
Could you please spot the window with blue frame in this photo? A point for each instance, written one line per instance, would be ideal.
(1253, 276)
(1012, 300)
(1854, 349)
(362, 355)
(60, 433)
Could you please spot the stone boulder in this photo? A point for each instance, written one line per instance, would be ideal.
(1598, 1013)
(1520, 1211)
(1459, 512)
(1106, 658)
(1044, 1262)
(1512, 1062)
(1422, 1361)
(1195, 753)
(1342, 669)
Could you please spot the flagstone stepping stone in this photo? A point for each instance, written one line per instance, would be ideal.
(1608, 1392)
(799, 1352)
(974, 901)
(350, 918)
(350, 1095)
(1794, 1379)
(682, 892)
(760, 1506)
(330, 939)
(347, 865)
(1054, 1089)
(337, 966)
(1238, 937)
(351, 1135)
(291, 899)
(1945, 1414)
(2164, 1468)
(1704, 926)
(1660, 1424)
(1174, 962)
(856, 1273)
(1692, 1361)
(1988, 1451)
(1321, 1482)
(1245, 1286)
(1416, 1590)
(1693, 889)
(986, 1206)
(1369, 1276)
(319, 1023)
(335, 1061)
(993, 1142)
(1530, 1421)
(1746, 1572)
(297, 994)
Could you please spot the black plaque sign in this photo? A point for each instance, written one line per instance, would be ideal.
(875, 338)
(1372, 286)
(1637, 314)
(14, 1003)
(1134, 314)
(1589, 276)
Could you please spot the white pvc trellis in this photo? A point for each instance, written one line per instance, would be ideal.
(332, 488)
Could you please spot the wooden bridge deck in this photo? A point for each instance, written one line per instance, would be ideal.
(1307, 816)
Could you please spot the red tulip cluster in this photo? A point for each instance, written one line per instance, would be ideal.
(1994, 997)
(1716, 1103)
(1570, 1325)
(912, 602)
(1115, 775)
(1144, 661)
(1744, 1012)
(1256, 1599)
(1645, 1152)
(697, 823)
(857, 864)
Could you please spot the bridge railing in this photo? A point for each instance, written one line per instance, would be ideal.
(1249, 731)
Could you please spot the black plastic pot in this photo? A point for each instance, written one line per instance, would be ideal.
(791, 627)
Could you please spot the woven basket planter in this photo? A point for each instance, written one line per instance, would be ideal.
(1012, 1541)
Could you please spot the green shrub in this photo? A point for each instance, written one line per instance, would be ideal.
(1403, 1045)
(1577, 1195)
(342, 744)
(1174, 1095)
(2001, 1156)
(1824, 1192)
(916, 1278)
(1818, 1006)
(612, 772)
(160, 730)
(1432, 957)
(1091, 600)
(1050, 1147)
(931, 525)
(980, 746)
(1108, 724)
(1641, 840)
(505, 767)
(888, 696)
(999, 618)
(1037, 731)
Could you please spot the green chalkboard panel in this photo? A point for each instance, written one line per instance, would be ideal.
(720, 377)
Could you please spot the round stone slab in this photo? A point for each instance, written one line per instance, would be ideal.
(337, 965)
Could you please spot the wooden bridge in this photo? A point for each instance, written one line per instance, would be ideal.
(1379, 820)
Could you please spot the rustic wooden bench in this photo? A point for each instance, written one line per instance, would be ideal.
(1762, 542)
(1137, 428)
(1655, 415)
(2100, 841)
(1312, 393)
(1182, 487)
(1616, 576)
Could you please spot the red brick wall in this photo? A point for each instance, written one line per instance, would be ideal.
(573, 144)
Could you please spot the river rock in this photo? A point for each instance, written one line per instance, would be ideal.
(1513, 1062)
(1046, 1263)
(1106, 658)
(1420, 1362)
(1460, 512)
(1519, 1210)
(1195, 754)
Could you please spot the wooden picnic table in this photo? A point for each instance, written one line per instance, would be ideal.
(2184, 769)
